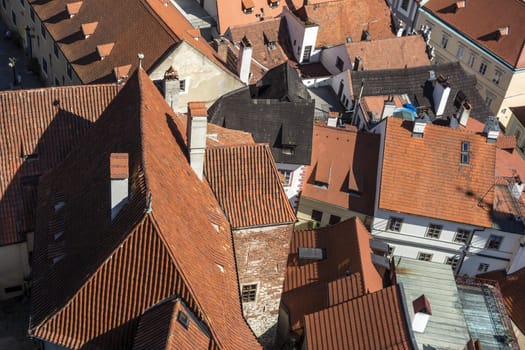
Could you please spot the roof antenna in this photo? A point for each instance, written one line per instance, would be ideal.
(141, 57)
(150, 199)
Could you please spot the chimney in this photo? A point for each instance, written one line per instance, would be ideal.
(365, 36)
(222, 49)
(358, 63)
(418, 130)
(119, 174)
(196, 135)
(171, 85)
(333, 118)
(422, 313)
(503, 31)
(491, 129)
(388, 109)
(461, 4)
(517, 188)
(440, 95)
(464, 113)
(244, 60)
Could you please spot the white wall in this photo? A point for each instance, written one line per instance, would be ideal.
(301, 36)
(297, 179)
(317, 82)
(329, 58)
(347, 91)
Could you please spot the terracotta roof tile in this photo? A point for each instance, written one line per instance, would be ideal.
(244, 179)
(506, 142)
(510, 48)
(111, 268)
(308, 286)
(403, 52)
(413, 166)
(73, 8)
(511, 287)
(104, 50)
(88, 28)
(354, 169)
(38, 129)
(373, 321)
(339, 20)
(230, 12)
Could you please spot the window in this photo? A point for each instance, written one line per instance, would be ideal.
(43, 30)
(494, 242)
(287, 177)
(483, 267)
(321, 184)
(394, 224)
(317, 215)
(44, 65)
(182, 85)
(183, 319)
(497, 76)
(424, 256)
(461, 52)
(462, 236)
(489, 98)
(13, 16)
(434, 231)
(465, 152)
(55, 49)
(471, 59)
(13, 289)
(339, 64)
(307, 52)
(32, 14)
(69, 72)
(57, 82)
(453, 261)
(444, 40)
(391, 250)
(483, 68)
(334, 219)
(404, 4)
(249, 292)
(288, 150)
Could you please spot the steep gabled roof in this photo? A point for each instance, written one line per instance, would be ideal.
(494, 15)
(413, 167)
(244, 179)
(339, 20)
(171, 238)
(349, 159)
(38, 129)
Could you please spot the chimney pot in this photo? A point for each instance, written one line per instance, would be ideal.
(440, 94)
(119, 174)
(196, 129)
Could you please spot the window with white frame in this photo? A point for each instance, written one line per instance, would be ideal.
(444, 40)
(489, 98)
(483, 267)
(424, 256)
(394, 224)
(434, 231)
(471, 59)
(483, 67)
(249, 292)
(183, 86)
(462, 236)
(497, 76)
(494, 242)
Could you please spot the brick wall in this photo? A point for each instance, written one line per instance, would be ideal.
(261, 255)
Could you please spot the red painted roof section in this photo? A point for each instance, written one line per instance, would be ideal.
(245, 180)
(348, 159)
(413, 167)
(309, 285)
(495, 14)
(47, 123)
(162, 243)
(373, 321)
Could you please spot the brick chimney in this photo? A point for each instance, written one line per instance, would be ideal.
(171, 85)
(119, 174)
(222, 49)
(196, 135)
(491, 129)
(440, 95)
(503, 31)
(461, 4)
(244, 60)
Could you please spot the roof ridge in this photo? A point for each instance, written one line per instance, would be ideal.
(142, 107)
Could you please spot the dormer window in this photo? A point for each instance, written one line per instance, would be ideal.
(465, 153)
(273, 3)
(288, 150)
(247, 6)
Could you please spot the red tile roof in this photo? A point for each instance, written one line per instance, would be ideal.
(308, 286)
(495, 14)
(230, 12)
(413, 167)
(159, 328)
(512, 287)
(403, 52)
(339, 20)
(348, 160)
(162, 243)
(373, 321)
(245, 180)
(47, 123)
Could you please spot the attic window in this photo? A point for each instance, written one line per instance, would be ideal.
(465, 152)
(247, 6)
(183, 319)
(288, 150)
(273, 3)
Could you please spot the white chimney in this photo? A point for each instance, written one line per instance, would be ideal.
(422, 313)
(119, 174)
(517, 188)
(440, 95)
(171, 85)
(388, 109)
(464, 113)
(332, 119)
(491, 129)
(418, 130)
(196, 135)
(245, 60)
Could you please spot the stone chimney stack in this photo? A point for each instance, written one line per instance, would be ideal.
(171, 85)
(119, 174)
(491, 129)
(245, 60)
(196, 129)
(440, 95)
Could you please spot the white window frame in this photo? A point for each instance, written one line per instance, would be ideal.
(445, 38)
(186, 85)
(471, 59)
(398, 224)
(422, 256)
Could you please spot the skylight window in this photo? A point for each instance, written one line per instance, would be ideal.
(465, 152)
